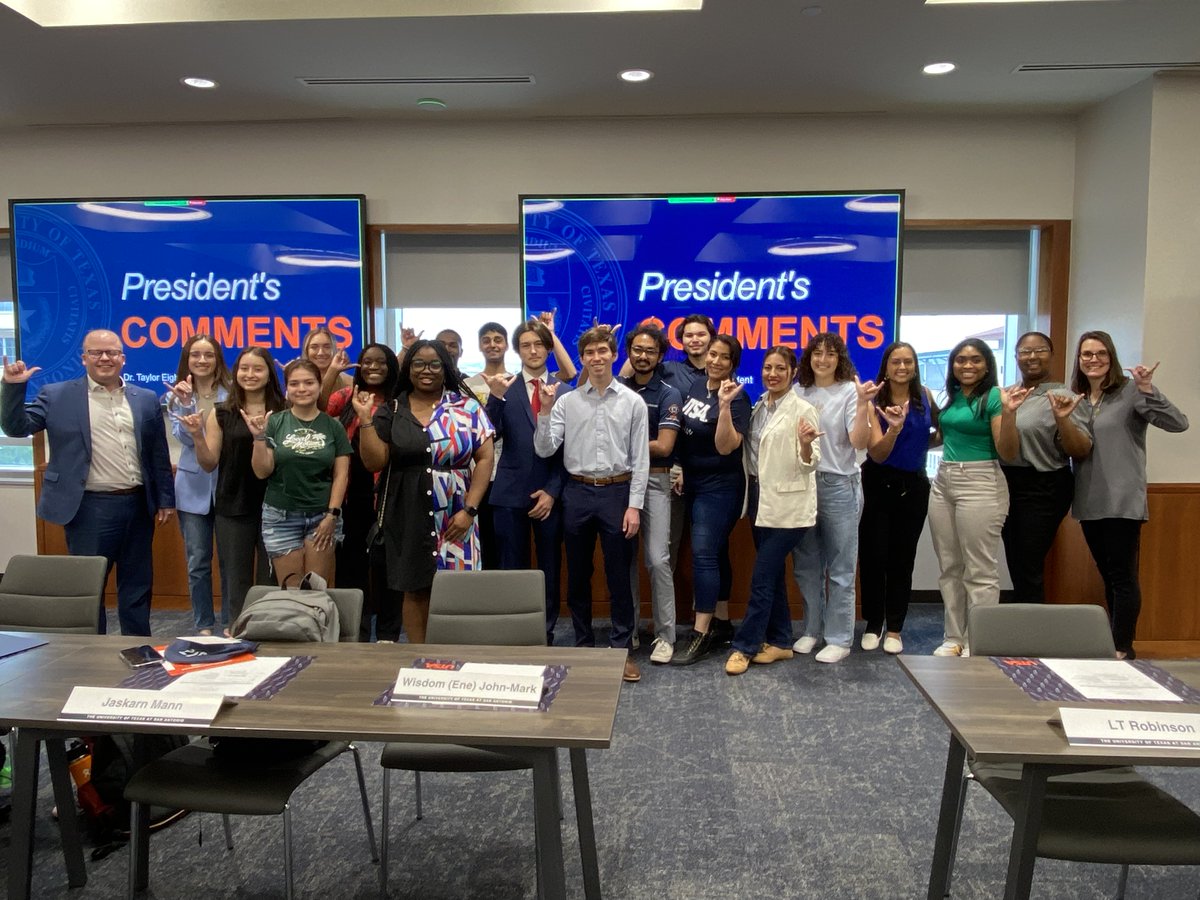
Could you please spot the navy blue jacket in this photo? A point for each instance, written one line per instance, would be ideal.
(521, 470)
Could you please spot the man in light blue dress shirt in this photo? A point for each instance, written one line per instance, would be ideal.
(602, 428)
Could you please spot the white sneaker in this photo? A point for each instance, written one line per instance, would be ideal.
(833, 653)
(966, 651)
(949, 648)
(662, 652)
(870, 640)
(806, 644)
(893, 645)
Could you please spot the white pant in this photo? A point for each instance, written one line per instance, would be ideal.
(967, 509)
(655, 531)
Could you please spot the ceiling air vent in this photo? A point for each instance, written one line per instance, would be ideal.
(315, 81)
(1104, 67)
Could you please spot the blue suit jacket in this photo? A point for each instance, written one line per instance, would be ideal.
(193, 486)
(61, 410)
(521, 470)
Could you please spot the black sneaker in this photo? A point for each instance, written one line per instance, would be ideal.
(722, 632)
(697, 647)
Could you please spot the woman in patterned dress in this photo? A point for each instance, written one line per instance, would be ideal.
(427, 438)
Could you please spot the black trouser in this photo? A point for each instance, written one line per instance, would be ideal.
(242, 559)
(1115, 544)
(1037, 503)
(591, 512)
(489, 544)
(895, 502)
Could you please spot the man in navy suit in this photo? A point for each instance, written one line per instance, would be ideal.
(109, 475)
(526, 488)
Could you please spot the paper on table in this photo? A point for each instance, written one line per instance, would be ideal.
(235, 680)
(1108, 679)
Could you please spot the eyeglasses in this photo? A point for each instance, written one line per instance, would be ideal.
(643, 351)
(1027, 352)
(1093, 354)
(104, 354)
(433, 365)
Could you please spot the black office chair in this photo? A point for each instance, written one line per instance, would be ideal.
(1101, 814)
(198, 779)
(60, 594)
(496, 608)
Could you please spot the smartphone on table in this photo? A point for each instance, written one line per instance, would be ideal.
(137, 657)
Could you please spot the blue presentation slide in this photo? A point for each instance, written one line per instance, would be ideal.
(768, 269)
(248, 271)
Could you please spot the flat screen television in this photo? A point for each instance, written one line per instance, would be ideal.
(247, 270)
(766, 268)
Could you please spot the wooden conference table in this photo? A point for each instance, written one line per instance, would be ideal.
(329, 700)
(994, 721)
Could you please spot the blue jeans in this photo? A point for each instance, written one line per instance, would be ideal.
(197, 531)
(830, 548)
(768, 619)
(714, 510)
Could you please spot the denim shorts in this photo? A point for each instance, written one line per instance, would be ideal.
(284, 531)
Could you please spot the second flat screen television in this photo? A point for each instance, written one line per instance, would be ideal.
(767, 268)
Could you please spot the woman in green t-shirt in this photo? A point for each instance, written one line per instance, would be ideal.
(304, 455)
(969, 500)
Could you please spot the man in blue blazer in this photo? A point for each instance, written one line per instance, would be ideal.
(526, 488)
(109, 475)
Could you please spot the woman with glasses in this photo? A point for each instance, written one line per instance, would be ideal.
(969, 500)
(427, 439)
(223, 444)
(201, 382)
(360, 566)
(828, 552)
(895, 495)
(1052, 431)
(320, 348)
(1110, 485)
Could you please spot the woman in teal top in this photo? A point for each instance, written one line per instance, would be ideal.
(969, 500)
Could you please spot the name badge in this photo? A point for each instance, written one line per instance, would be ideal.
(1131, 728)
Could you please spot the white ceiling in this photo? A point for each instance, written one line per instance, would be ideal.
(756, 57)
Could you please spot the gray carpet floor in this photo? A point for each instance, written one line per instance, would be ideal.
(793, 780)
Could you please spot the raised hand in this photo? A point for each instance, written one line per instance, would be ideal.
(1062, 405)
(894, 416)
(727, 391)
(611, 329)
(194, 423)
(341, 362)
(256, 424)
(546, 317)
(548, 392)
(807, 432)
(408, 337)
(498, 384)
(364, 404)
(866, 390)
(182, 392)
(1143, 377)
(1011, 398)
(18, 372)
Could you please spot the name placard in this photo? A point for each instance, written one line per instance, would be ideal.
(467, 687)
(94, 704)
(1131, 728)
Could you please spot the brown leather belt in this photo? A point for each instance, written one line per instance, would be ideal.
(123, 492)
(659, 470)
(600, 482)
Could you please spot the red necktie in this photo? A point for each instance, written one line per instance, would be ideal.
(536, 402)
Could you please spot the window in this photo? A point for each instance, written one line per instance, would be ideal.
(16, 454)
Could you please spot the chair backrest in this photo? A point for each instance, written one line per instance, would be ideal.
(498, 608)
(349, 603)
(1065, 631)
(53, 593)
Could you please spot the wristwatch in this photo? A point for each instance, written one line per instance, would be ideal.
(472, 511)
(335, 511)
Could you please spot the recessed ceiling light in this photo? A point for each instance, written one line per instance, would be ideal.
(431, 103)
(193, 81)
(939, 68)
(637, 75)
